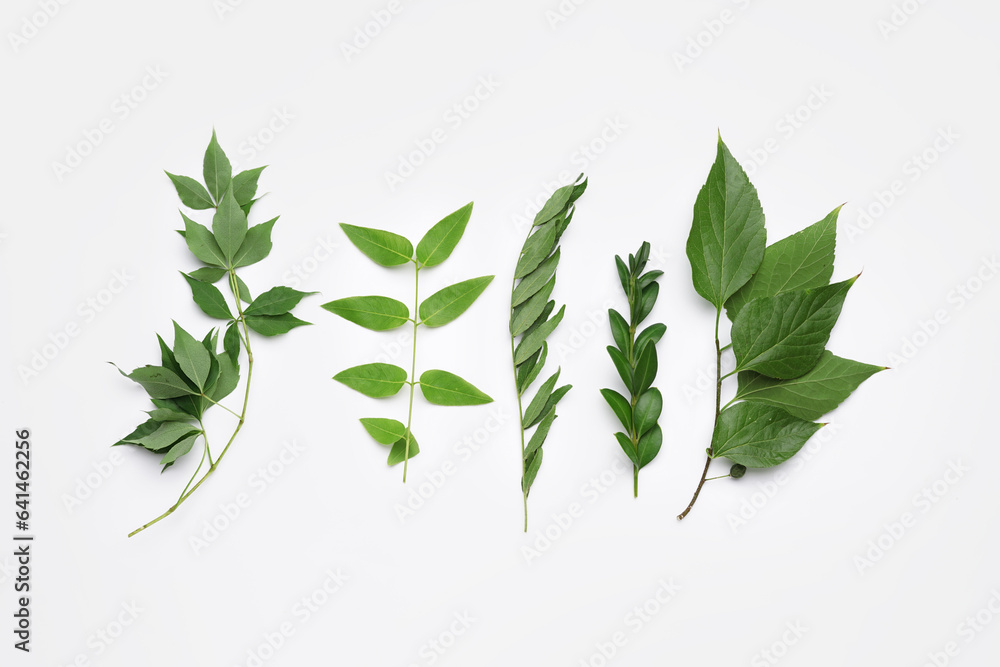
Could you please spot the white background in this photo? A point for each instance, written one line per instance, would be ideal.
(348, 120)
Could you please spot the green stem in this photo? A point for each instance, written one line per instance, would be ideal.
(520, 415)
(413, 366)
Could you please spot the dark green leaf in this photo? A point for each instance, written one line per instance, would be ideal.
(534, 410)
(209, 298)
(274, 325)
(533, 340)
(651, 334)
(160, 382)
(202, 244)
(168, 415)
(619, 330)
(231, 342)
(244, 291)
(192, 193)
(622, 365)
(623, 275)
(229, 226)
(245, 185)
(143, 429)
(621, 407)
(647, 410)
(208, 274)
(759, 436)
(256, 246)
(525, 315)
(538, 437)
(228, 378)
(384, 431)
(550, 404)
(276, 301)
(383, 248)
(648, 278)
(447, 304)
(217, 170)
(529, 369)
(535, 280)
(444, 388)
(441, 239)
(649, 294)
(179, 449)
(532, 464)
(378, 313)
(645, 370)
(192, 357)
(626, 444)
(649, 445)
(374, 380)
(555, 205)
(166, 434)
(536, 249)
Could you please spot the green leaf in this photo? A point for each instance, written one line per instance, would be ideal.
(398, 452)
(383, 248)
(231, 342)
(202, 243)
(444, 388)
(783, 336)
(229, 225)
(555, 204)
(651, 334)
(245, 185)
(192, 193)
(207, 274)
(256, 246)
(621, 365)
(626, 444)
(537, 248)
(445, 305)
(649, 294)
(535, 280)
(648, 278)
(274, 325)
(528, 371)
(378, 313)
(527, 313)
(759, 436)
(217, 170)
(537, 404)
(542, 319)
(244, 291)
(538, 437)
(647, 410)
(532, 464)
(649, 445)
(229, 376)
(645, 370)
(812, 395)
(384, 431)
(532, 340)
(374, 380)
(727, 238)
(160, 382)
(276, 301)
(192, 357)
(441, 239)
(141, 430)
(179, 449)
(621, 407)
(623, 274)
(166, 434)
(209, 298)
(801, 261)
(619, 330)
(168, 415)
(550, 404)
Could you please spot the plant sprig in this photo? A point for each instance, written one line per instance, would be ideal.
(783, 309)
(194, 375)
(635, 360)
(530, 324)
(381, 313)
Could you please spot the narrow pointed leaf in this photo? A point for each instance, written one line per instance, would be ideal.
(231, 342)
(541, 398)
(630, 449)
(447, 304)
(533, 340)
(619, 404)
(382, 247)
(192, 193)
(274, 325)
(207, 274)
(217, 171)
(202, 243)
(550, 404)
(374, 380)
(384, 431)
(542, 319)
(440, 240)
(759, 436)
(276, 301)
(538, 437)
(621, 365)
(534, 462)
(535, 280)
(256, 245)
(528, 371)
(168, 415)
(537, 248)
(166, 434)
(555, 205)
(528, 312)
(378, 313)
(191, 356)
(245, 185)
(209, 298)
(229, 226)
(141, 430)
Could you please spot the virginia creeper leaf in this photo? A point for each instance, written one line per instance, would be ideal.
(209, 298)
(192, 193)
(276, 301)
(202, 243)
(256, 245)
(274, 325)
(245, 185)
(192, 357)
(160, 382)
(217, 171)
(229, 225)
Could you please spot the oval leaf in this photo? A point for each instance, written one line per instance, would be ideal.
(647, 410)
(621, 407)
(384, 431)
(378, 313)
(375, 380)
(382, 247)
(649, 445)
(759, 436)
(447, 304)
(441, 239)
(209, 298)
(400, 452)
(619, 330)
(444, 388)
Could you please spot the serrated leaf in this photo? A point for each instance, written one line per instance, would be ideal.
(527, 313)
(208, 274)
(374, 380)
(192, 357)
(256, 245)
(192, 193)
(398, 452)
(620, 405)
(440, 240)
(447, 304)
(229, 226)
(645, 370)
(538, 437)
(532, 340)
(626, 444)
(554, 205)
(216, 169)
(245, 185)
(784, 336)
(274, 325)
(532, 464)
(812, 395)
(378, 313)
(444, 388)
(759, 436)
(160, 382)
(727, 239)
(651, 334)
(534, 409)
(276, 301)
(536, 249)
(649, 445)
(803, 260)
(619, 330)
(535, 280)
(179, 449)
(621, 365)
(381, 247)
(209, 298)
(384, 431)
(165, 435)
(529, 369)
(202, 243)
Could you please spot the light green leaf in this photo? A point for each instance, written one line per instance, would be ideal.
(529, 369)
(528, 312)
(245, 185)
(537, 248)
(647, 410)
(384, 431)
(216, 169)
(229, 225)
(783, 336)
(378, 313)
(398, 452)
(538, 437)
(447, 304)
(649, 445)
(256, 246)
(812, 395)
(374, 380)
(441, 239)
(550, 404)
(444, 388)
(382, 247)
(274, 325)
(179, 449)
(202, 243)
(276, 301)
(532, 340)
(621, 407)
(191, 356)
(801, 261)
(209, 298)
(727, 238)
(759, 436)
(535, 280)
(192, 193)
